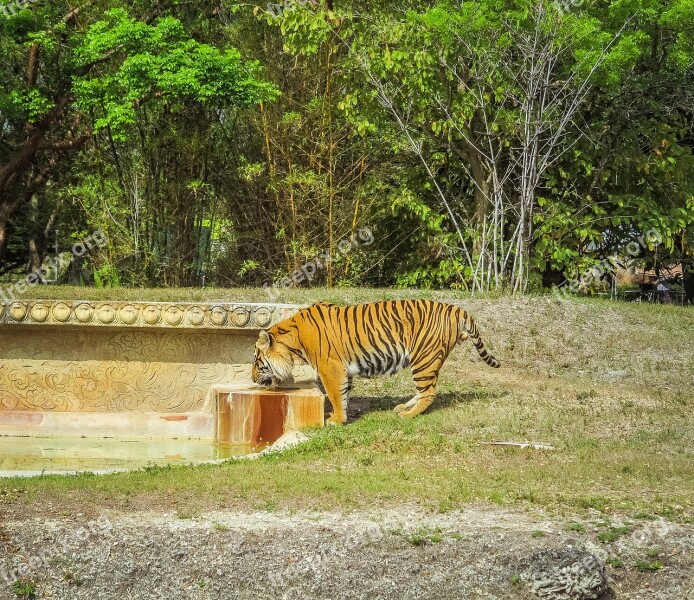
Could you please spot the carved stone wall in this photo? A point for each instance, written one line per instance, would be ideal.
(103, 371)
(117, 357)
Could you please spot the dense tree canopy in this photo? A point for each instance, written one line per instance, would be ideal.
(486, 144)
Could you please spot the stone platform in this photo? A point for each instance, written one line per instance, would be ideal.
(124, 369)
(259, 417)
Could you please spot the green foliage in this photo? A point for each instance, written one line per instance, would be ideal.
(613, 533)
(158, 62)
(24, 588)
(616, 563)
(216, 142)
(645, 565)
(28, 104)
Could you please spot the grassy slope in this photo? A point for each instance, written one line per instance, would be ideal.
(609, 385)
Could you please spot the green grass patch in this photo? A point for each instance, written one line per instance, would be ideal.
(423, 535)
(645, 565)
(24, 588)
(613, 533)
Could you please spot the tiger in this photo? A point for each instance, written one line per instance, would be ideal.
(378, 338)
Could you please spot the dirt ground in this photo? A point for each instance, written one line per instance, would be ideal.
(482, 552)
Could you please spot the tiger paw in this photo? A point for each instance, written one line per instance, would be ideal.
(407, 414)
(332, 420)
(400, 408)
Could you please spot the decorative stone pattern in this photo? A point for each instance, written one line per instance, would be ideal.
(221, 315)
(50, 369)
(124, 357)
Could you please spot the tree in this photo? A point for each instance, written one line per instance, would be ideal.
(93, 81)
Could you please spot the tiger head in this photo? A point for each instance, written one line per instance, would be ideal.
(273, 362)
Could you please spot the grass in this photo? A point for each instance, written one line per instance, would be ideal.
(185, 514)
(288, 296)
(644, 565)
(426, 534)
(613, 533)
(24, 588)
(607, 384)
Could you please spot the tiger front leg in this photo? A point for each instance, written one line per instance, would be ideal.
(337, 387)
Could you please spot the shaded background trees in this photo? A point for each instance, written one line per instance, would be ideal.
(217, 144)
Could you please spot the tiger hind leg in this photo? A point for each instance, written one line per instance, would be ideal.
(423, 402)
(407, 405)
(425, 374)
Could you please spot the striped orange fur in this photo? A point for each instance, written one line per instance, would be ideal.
(379, 338)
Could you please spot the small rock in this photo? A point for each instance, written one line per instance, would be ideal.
(565, 574)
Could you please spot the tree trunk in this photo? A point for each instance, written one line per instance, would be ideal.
(3, 239)
(34, 257)
(688, 279)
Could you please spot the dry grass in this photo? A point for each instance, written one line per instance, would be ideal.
(607, 384)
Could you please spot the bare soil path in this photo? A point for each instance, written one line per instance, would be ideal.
(482, 552)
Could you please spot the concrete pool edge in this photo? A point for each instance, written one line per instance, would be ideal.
(122, 370)
(144, 315)
(105, 424)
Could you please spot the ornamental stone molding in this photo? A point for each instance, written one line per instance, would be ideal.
(168, 315)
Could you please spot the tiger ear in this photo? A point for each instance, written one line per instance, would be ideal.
(265, 340)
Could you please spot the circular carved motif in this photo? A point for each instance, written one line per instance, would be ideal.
(106, 314)
(218, 316)
(61, 312)
(128, 314)
(151, 314)
(84, 312)
(240, 316)
(173, 315)
(262, 317)
(39, 312)
(195, 315)
(139, 314)
(18, 311)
